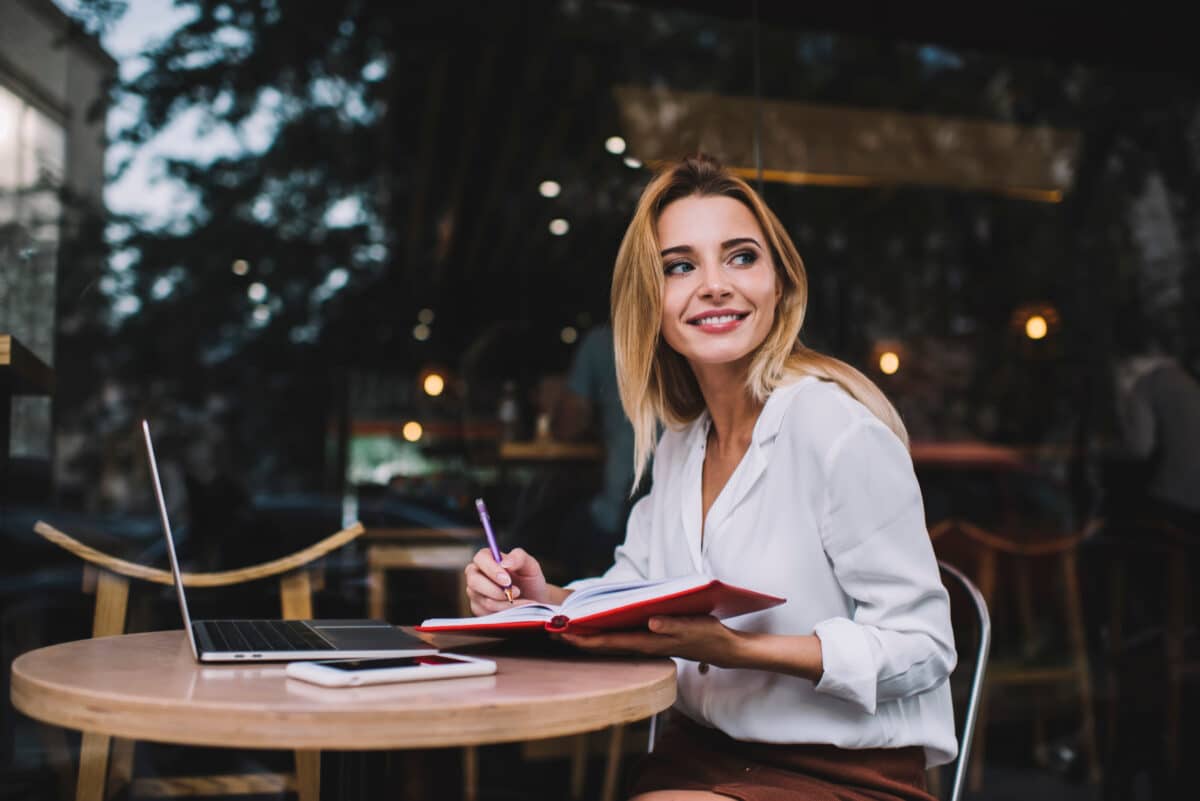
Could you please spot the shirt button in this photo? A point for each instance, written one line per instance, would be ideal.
(703, 668)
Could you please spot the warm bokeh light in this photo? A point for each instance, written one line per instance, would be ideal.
(1036, 327)
(549, 188)
(256, 292)
(615, 145)
(433, 385)
(1036, 320)
(569, 334)
(889, 362)
(421, 332)
(412, 431)
(559, 226)
(241, 267)
(425, 316)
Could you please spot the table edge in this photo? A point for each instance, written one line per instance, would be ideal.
(120, 716)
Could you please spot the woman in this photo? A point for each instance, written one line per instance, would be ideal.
(781, 470)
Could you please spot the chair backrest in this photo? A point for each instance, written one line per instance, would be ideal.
(112, 576)
(983, 621)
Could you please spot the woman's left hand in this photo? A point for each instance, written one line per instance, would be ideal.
(702, 639)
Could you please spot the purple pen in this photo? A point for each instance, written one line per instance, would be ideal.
(481, 507)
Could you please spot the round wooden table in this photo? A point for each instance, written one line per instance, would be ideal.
(148, 687)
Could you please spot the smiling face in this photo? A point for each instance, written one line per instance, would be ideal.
(719, 282)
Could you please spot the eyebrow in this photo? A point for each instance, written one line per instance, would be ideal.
(726, 245)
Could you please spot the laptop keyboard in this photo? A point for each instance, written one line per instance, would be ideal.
(263, 635)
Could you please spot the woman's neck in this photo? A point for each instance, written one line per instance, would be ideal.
(731, 407)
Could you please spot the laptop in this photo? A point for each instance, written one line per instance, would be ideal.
(279, 640)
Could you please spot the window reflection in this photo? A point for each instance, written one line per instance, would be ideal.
(32, 153)
(388, 249)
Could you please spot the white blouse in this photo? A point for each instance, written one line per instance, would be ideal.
(824, 510)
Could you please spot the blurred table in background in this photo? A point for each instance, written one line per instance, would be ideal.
(544, 484)
(993, 486)
(549, 450)
(417, 548)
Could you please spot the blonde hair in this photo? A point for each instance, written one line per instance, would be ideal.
(655, 382)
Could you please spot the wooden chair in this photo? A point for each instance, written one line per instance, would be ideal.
(1182, 665)
(109, 577)
(985, 549)
(1164, 553)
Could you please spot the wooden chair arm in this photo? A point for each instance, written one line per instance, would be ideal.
(942, 527)
(1172, 535)
(221, 578)
(1002, 544)
(1153, 537)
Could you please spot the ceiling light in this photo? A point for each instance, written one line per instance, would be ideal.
(889, 362)
(1036, 327)
(1036, 321)
(433, 385)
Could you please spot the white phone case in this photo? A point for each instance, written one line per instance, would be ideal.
(316, 673)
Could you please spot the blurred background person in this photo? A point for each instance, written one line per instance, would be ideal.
(591, 403)
(1158, 411)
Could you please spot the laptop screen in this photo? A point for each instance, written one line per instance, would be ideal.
(166, 523)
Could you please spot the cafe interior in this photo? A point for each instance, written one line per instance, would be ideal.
(352, 263)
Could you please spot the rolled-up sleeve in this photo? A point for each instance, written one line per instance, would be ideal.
(898, 640)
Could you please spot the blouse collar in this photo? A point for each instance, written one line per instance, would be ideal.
(770, 419)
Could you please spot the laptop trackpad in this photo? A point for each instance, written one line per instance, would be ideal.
(370, 637)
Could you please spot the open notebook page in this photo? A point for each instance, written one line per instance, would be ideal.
(600, 597)
(580, 603)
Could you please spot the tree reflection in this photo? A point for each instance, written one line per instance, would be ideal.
(401, 171)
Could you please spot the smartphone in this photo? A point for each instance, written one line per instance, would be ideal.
(357, 672)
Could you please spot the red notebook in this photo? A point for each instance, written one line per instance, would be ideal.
(606, 607)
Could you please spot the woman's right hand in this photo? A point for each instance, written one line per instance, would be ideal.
(486, 581)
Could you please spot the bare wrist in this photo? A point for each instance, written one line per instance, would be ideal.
(556, 594)
(795, 655)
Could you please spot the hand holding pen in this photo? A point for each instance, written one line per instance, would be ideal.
(491, 538)
(495, 580)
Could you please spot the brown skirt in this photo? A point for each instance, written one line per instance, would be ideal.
(692, 757)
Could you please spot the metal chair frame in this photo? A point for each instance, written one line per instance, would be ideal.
(981, 657)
